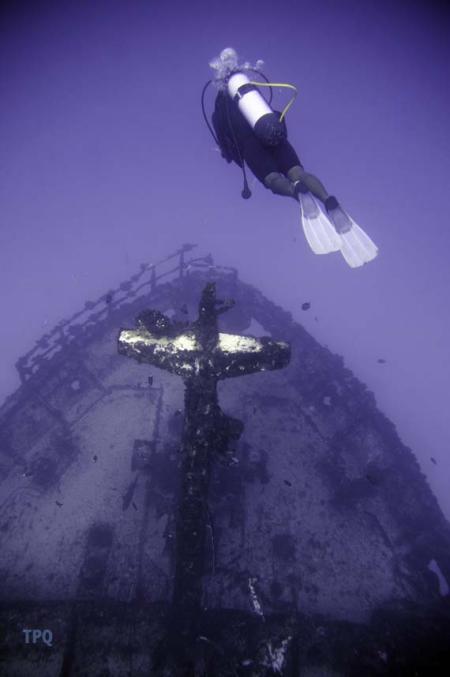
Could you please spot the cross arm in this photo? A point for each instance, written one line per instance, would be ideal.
(174, 354)
(240, 355)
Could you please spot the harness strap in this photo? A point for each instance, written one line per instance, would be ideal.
(243, 90)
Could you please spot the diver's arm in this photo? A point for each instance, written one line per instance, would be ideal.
(220, 124)
(222, 139)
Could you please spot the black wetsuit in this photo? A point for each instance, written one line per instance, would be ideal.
(239, 143)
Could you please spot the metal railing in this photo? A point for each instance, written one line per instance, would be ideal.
(77, 326)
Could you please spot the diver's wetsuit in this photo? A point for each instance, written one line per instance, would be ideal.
(238, 142)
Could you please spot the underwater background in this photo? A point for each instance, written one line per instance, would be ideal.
(107, 163)
(303, 528)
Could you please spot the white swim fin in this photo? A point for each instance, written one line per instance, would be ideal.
(356, 246)
(336, 231)
(319, 232)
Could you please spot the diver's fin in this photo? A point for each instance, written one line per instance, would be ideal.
(310, 208)
(319, 232)
(338, 217)
(356, 246)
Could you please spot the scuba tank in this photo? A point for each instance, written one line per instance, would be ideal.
(266, 124)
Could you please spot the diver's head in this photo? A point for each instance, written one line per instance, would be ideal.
(224, 65)
(227, 63)
(229, 57)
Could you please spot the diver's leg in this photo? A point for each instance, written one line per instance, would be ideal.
(280, 185)
(304, 182)
(289, 164)
(313, 184)
(261, 162)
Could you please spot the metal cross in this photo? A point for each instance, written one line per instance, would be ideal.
(201, 355)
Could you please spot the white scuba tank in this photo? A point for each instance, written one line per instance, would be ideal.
(255, 109)
(251, 104)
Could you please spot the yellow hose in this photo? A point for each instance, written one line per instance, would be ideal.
(279, 84)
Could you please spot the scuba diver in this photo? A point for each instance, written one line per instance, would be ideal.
(249, 132)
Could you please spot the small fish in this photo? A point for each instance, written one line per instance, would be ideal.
(150, 380)
(58, 504)
(381, 360)
(316, 318)
(95, 458)
(134, 505)
(288, 483)
(108, 298)
(306, 306)
(433, 460)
